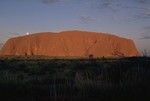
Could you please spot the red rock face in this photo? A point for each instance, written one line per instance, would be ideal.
(70, 43)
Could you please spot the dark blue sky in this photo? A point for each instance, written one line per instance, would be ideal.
(126, 18)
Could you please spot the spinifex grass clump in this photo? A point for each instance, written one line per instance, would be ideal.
(75, 79)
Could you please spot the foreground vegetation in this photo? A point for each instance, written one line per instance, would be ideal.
(31, 79)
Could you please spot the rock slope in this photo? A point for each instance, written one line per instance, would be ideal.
(70, 43)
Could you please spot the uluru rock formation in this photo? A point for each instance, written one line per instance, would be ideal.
(70, 43)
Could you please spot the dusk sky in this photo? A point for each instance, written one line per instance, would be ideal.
(125, 18)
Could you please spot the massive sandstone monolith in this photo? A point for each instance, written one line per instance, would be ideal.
(70, 43)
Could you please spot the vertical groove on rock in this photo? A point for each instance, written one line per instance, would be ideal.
(65, 47)
(90, 47)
